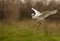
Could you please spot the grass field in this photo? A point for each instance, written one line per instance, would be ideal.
(24, 31)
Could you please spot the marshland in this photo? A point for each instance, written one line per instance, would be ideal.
(16, 23)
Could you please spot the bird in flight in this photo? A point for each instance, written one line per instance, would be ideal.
(41, 16)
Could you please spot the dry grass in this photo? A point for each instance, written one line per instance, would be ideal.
(23, 31)
(51, 26)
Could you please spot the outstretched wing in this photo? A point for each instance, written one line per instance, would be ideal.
(48, 13)
(37, 13)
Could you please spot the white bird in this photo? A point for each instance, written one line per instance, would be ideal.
(41, 16)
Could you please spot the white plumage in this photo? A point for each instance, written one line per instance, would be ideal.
(37, 13)
(41, 16)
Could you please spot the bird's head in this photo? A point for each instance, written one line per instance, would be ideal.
(32, 14)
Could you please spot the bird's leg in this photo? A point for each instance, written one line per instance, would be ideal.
(36, 23)
(39, 25)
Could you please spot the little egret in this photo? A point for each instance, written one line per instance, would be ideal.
(41, 16)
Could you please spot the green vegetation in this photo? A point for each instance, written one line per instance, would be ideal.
(22, 30)
(24, 33)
